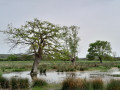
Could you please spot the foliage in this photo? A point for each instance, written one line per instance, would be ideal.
(71, 40)
(90, 57)
(13, 58)
(41, 37)
(99, 49)
(26, 57)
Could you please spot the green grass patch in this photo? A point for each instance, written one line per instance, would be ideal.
(49, 87)
(39, 83)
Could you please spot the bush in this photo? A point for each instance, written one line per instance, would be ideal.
(39, 83)
(19, 83)
(4, 83)
(97, 84)
(113, 85)
(75, 84)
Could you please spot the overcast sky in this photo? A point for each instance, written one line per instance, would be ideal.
(97, 19)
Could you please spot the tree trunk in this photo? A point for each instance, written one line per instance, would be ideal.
(100, 60)
(73, 61)
(35, 64)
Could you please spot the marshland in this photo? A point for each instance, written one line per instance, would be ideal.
(59, 45)
(61, 75)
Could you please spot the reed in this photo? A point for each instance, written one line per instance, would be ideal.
(113, 85)
(19, 83)
(97, 84)
(75, 84)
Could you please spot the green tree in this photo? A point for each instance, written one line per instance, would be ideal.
(99, 49)
(90, 56)
(71, 41)
(26, 57)
(42, 37)
(13, 58)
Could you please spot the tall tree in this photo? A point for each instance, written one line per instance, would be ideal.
(99, 49)
(71, 41)
(41, 37)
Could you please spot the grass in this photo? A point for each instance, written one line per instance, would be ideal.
(75, 84)
(39, 83)
(19, 83)
(49, 87)
(97, 84)
(17, 66)
(113, 85)
(61, 66)
(4, 83)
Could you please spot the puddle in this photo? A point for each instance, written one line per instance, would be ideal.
(57, 77)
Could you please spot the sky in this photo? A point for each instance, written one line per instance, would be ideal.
(97, 19)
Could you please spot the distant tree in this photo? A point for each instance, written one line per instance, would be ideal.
(90, 56)
(13, 57)
(42, 37)
(71, 41)
(26, 57)
(99, 49)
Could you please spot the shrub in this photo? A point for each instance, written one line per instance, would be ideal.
(19, 83)
(39, 83)
(75, 84)
(113, 85)
(4, 83)
(97, 84)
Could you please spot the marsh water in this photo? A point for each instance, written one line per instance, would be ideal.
(57, 77)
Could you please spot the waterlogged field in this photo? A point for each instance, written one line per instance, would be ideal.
(56, 73)
(60, 66)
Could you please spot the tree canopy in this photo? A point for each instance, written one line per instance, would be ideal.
(42, 37)
(99, 49)
(71, 41)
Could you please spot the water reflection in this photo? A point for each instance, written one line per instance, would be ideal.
(56, 77)
(33, 76)
(72, 74)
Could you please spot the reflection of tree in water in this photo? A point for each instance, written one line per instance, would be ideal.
(70, 74)
(44, 74)
(43, 71)
(33, 76)
(58, 73)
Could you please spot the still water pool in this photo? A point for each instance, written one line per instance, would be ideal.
(57, 77)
